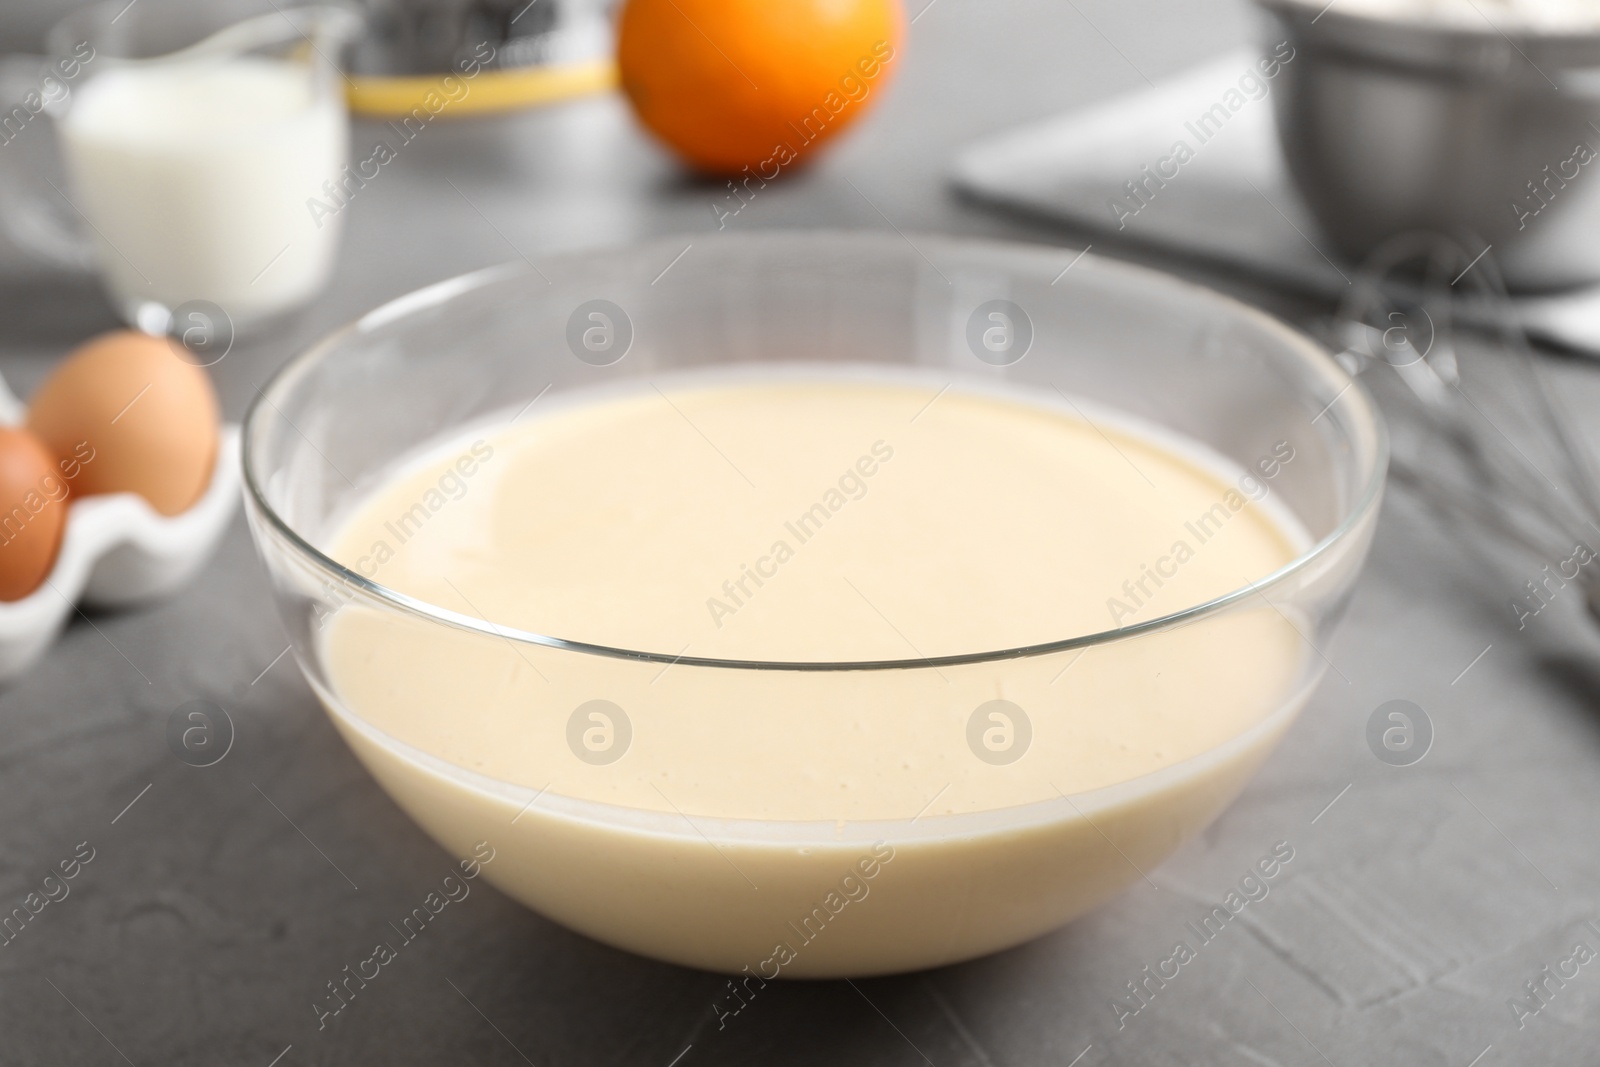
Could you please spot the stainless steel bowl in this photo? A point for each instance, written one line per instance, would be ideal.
(1488, 134)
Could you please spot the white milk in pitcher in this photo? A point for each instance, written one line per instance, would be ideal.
(194, 177)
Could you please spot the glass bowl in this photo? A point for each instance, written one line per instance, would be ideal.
(558, 775)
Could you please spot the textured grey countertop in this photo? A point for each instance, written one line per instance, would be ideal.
(1415, 907)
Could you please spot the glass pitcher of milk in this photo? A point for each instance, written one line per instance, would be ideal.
(190, 137)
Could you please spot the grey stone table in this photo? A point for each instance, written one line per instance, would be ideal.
(219, 901)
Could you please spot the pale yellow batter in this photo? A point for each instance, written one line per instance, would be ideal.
(813, 521)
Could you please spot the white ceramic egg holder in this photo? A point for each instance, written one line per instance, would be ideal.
(117, 551)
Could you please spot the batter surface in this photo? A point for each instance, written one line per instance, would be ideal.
(815, 521)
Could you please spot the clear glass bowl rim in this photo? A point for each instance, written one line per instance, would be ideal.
(1363, 409)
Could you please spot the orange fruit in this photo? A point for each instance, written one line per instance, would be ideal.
(758, 84)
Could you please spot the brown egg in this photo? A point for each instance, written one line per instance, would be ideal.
(33, 512)
(125, 414)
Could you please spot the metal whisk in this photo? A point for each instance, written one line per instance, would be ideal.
(1536, 489)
